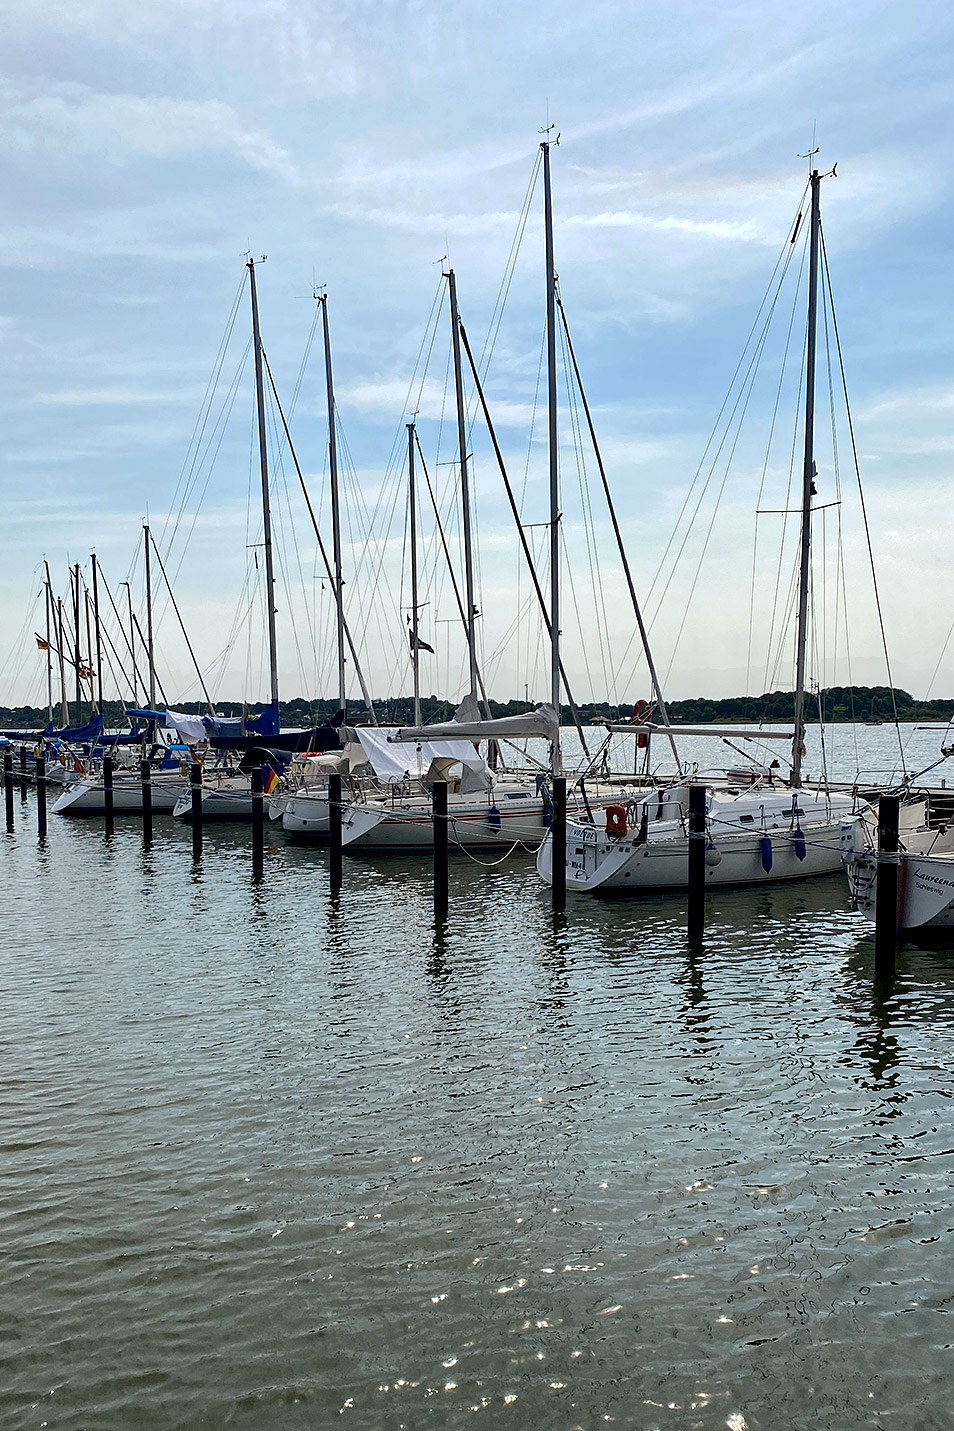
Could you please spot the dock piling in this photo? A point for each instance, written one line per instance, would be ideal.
(886, 897)
(40, 774)
(439, 808)
(24, 783)
(334, 832)
(109, 802)
(258, 823)
(195, 786)
(8, 788)
(697, 862)
(558, 845)
(145, 771)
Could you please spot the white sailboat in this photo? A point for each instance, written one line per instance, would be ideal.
(756, 835)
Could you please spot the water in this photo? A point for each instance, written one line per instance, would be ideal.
(270, 1161)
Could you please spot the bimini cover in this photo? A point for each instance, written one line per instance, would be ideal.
(391, 759)
(467, 722)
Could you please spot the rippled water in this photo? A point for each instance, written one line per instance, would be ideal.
(270, 1161)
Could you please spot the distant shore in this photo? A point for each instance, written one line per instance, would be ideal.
(838, 705)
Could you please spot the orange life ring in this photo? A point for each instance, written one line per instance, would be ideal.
(615, 820)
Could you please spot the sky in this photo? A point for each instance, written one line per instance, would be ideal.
(145, 150)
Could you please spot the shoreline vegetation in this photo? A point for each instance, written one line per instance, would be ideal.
(839, 705)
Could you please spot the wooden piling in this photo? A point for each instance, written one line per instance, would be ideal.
(24, 783)
(109, 802)
(145, 772)
(886, 897)
(40, 776)
(8, 787)
(696, 913)
(558, 845)
(439, 808)
(258, 823)
(195, 787)
(334, 833)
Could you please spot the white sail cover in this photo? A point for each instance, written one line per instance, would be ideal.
(542, 721)
(392, 759)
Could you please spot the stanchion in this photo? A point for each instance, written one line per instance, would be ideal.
(697, 862)
(109, 801)
(145, 771)
(334, 832)
(439, 809)
(8, 787)
(41, 795)
(258, 823)
(886, 896)
(24, 783)
(558, 845)
(195, 786)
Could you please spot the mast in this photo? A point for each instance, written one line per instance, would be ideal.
(808, 473)
(76, 642)
(87, 601)
(266, 508)
(49, 638)
(464, 485)
(553, 436)
(150, 647)
(335, 505)
(412, 517)
(99, 641)
(64, 703)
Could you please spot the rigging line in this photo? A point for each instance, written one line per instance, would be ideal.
(450, 567)
(175, 607)
(627, 571)
(768, 454)
(503, 292)
(733, 423)
(122, 628)
(321, 546)
(861, 497)
(784, 258)
(195, 440)
(279, 546)
(576, 435)
(521, 534)
(208, 462)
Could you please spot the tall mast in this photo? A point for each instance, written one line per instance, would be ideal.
(64, 703)
(49, 639)
(266, 508)
(556, 763)
(464, 486)
(808, 473)
(87, 601)
(150, 647)
(99, 638)
(412, 516)
(335, 505)
(76, 642)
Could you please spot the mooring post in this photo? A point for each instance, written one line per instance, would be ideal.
(558, 845)
(195, 787)
(109, 802)
(24, 783)
(697, 862)
(334, 832)
(886, 896)
(258, 823)
(8, 787)
(145, 770)
(439, 808)
(41, 795)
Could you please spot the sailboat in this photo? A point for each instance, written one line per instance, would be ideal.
(756, 834)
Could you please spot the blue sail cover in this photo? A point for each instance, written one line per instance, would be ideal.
(92, 730)
(267, 723)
